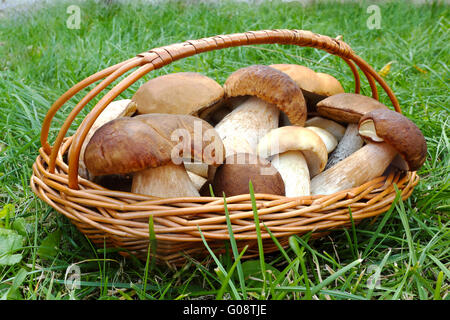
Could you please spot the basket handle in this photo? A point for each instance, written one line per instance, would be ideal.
(159, 57)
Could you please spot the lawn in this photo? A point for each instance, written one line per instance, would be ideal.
(404, 254)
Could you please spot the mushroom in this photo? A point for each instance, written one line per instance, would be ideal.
(180, 93)
(227, 106)
(118, 182)
(232, 177)
(145, 146)
(336, 129)
(347, 108)
(297, 153)
(315, 86)
(350, 142)
(116, 109)
(327, 138)
(270, 91)
(388, 133)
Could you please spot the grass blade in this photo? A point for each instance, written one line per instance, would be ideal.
(277, 243)
(219, 265)
(437, 291)
(235, 249)
(376, 276)
(230, 273)
(259, 238)
(334, 276)
(381, 225)
(440, 265)
(300, 253)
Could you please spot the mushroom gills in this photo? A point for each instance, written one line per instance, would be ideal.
(367, 129)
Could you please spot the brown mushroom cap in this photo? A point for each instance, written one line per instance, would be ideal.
(234, 175)
(399, 132)
(347, 107)
(127, 145)
(270, 85)
(315, 82)
(178, 93)
(315, 86)
(116, 109)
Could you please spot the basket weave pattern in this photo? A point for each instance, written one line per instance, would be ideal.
(121, 219)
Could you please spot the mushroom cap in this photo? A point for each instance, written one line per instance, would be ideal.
(347, 107)
(398, 131)
(330, 85)
(178, 93)
(307, 79)
(315, 86)
(114, 110)
(270, 85)
(234, 175)
(127, 145)
(293, 138)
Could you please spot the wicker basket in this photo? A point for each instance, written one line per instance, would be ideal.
(121, 219)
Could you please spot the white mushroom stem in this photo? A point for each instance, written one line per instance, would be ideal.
(293, 169)
(350, 142)
(168, 181)
(362, 166)
(116, 109)
(246, 125)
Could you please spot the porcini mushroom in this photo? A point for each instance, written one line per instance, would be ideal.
(179, 93)
(389, 133)
(350, 142)
(146, 146)
(327, 138)
(232, 177)
(297, 153)
(114, 110)
(270, 91)
(347, 108)
(336, 129)
(315, 86)
(189, 93)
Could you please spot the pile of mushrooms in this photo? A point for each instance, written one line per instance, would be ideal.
(287, 129)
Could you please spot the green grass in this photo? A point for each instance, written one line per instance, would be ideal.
(406, 249)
